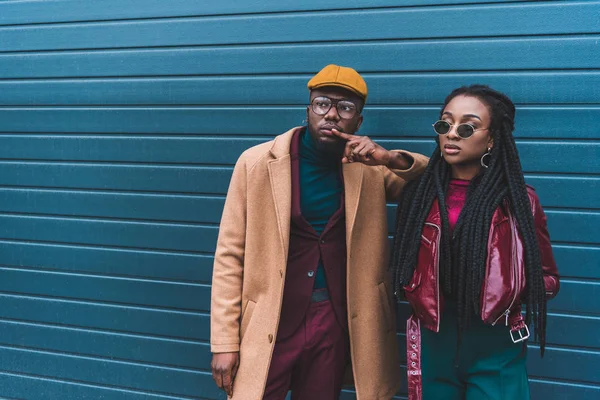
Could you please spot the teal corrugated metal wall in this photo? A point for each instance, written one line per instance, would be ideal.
(120, 122)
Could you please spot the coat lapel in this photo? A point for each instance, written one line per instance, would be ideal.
(353, 177)
(280, 176)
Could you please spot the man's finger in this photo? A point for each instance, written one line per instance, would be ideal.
(341, 135)
(227, 382)
(218, 377)
(362, 153)
(370, 153)
(358, 150)
(354, 142)
(362, 150)
(233, 374)
(348, 150)
(366, 150)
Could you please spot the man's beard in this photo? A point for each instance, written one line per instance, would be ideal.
(329, 145)
(333, 147)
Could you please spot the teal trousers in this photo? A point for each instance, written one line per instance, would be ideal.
(487, 366)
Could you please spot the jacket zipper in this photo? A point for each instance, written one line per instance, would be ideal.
(515, 271)
(437, 269)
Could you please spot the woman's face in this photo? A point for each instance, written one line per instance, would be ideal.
(464, 155)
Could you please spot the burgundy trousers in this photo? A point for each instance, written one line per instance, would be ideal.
(311, 362)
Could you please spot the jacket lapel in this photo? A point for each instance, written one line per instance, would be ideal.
(353, 177)
(280, 176)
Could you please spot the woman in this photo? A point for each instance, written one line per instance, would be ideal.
(471, 247)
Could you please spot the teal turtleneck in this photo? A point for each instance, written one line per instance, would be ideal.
(320, 190)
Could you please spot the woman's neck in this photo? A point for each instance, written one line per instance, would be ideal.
(465, 172)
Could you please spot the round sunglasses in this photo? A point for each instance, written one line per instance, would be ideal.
(464, 131)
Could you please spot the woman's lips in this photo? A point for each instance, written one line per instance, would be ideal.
(451, 149)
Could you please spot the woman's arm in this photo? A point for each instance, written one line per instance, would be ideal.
(551, 277)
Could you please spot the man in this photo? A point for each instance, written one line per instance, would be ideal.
(300, 286)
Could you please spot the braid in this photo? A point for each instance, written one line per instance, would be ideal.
(442, 180)
(418, 196)
(536, 292)
(463, 255)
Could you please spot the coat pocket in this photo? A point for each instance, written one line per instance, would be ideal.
(246, 316)
(387, 308)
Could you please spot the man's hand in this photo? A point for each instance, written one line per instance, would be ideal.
(224, 368)
(364, 150)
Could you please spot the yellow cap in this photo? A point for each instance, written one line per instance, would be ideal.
(344, 77)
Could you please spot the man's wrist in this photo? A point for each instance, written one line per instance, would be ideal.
(398, 160)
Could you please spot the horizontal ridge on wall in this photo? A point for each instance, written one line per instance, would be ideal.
(416, 55)
(125, 375)
(57, 11)
(23, 385)
(215, 180)
(575, 157)
(109, 261)
(367, 25)
(385, 89)
(120, 318)
(540, 122)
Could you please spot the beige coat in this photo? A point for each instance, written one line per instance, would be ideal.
(251, 258)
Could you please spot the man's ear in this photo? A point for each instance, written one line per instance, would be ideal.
(360, 121)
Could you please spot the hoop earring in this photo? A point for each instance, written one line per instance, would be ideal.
(484, 165)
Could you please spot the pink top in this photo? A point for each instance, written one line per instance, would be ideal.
(455, 199)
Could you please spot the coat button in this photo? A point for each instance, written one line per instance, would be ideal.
(270, 338)
(311, 273)
(322, 241)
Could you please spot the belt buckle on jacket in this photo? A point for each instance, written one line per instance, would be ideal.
(522, 335)
(517, 326)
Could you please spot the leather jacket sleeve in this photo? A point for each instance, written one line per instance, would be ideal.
(551, 277)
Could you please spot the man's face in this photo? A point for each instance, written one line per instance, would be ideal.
(320, 126)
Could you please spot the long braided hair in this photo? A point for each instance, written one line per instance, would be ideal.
(463, 255)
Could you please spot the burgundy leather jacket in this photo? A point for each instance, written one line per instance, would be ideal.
(503, 288)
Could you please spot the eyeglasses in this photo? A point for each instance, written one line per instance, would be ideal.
(321, 106)
(464, 131)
